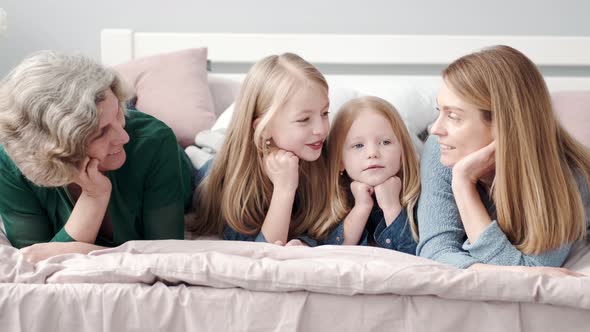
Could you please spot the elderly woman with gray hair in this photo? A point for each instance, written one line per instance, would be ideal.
(79, 172)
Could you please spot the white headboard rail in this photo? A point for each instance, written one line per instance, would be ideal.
(122, 45)
(568, 57)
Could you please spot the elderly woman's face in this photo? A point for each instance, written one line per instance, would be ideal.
(107, 143)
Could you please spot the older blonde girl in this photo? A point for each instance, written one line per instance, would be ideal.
(267, 183)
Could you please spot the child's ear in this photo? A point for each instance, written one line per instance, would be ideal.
(255, 124)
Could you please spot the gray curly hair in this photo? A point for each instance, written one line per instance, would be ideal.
(48, 112)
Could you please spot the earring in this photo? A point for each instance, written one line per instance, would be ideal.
(267, 142)
(341, 173)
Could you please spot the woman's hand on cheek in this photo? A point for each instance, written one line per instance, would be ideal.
(387, 194)
(475, 165)
(92, 181)
(282, 167)
(362, 194)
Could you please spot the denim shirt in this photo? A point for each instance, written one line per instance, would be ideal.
(396, 236)
(233, 235)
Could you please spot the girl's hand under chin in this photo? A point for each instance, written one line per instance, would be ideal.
(282, 167)
(387, 194)
(362, 194)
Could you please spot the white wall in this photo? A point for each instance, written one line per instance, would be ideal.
(74, 25)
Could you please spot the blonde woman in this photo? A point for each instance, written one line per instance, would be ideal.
(374, 177)
(267, 183)
(502, 182)
(77, 171)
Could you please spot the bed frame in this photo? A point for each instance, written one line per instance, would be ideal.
(219, 286)
(368, 63)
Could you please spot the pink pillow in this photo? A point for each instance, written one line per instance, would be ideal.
(173, 87)
(573, 111)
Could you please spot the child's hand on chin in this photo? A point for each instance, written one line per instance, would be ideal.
(362, 194)
(292, 243)
(282, 168)
(387, 194)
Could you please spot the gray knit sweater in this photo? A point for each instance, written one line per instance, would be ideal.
(442, 236)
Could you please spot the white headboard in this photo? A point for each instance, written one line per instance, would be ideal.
(368, 63)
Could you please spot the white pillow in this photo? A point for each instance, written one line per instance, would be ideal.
(223, 120)
(339, 96)
(416, 104)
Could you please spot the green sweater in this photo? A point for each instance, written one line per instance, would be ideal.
(149, 192)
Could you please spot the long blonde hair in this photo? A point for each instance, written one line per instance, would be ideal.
(538, 202)
(237, 191)
(340, 184)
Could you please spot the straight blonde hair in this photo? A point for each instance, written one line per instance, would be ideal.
(237, 191)
(538, 202)
(340, 184)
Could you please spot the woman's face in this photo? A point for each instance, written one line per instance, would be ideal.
(460, 127)
(107, 143)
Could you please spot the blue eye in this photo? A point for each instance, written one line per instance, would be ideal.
(358, 146)
(386, 142)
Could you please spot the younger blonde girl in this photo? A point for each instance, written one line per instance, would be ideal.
(374, 177)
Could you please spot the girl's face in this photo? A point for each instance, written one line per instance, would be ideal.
(372, 152)
(302, 125)
(107, 143)
(460, 127)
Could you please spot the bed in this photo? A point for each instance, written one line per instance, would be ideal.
(212, 285)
